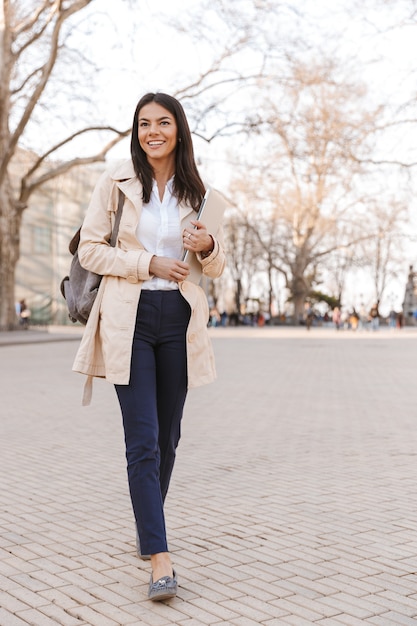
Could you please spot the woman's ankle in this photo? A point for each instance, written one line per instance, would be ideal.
(161, 565)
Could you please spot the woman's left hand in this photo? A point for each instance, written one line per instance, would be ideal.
(197, 239)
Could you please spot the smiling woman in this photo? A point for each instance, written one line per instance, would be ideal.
(161, 118)
(147, 333)
(158, 138)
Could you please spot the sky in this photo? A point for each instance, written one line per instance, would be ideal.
(138, 50)
(379, 55)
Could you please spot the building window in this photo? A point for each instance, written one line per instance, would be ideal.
(41, 240)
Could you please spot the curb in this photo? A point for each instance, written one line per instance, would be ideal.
(24, 337)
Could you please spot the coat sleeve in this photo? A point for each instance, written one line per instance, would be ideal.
(214, 264)
(95, 252)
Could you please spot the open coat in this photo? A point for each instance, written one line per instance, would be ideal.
(106, 346)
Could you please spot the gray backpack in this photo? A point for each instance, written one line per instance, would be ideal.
(81, 286)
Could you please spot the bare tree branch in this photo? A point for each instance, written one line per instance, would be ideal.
(383, 162)
(27, 189)
(59, 145)
(26, 81)
(34, 20)
(45, 74)
(27, 24)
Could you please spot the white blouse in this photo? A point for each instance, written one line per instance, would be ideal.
(159, 231)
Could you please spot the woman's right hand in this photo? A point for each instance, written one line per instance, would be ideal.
(170, 269)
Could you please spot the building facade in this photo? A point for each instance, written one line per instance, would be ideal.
(54, 214)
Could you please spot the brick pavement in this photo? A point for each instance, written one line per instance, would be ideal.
(293, 500)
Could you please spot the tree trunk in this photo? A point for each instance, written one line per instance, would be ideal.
(238, 296)
(10, 220)
(270, 290)
(299, 300)
(299, 291)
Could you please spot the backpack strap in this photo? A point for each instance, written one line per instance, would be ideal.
(75, 241)
(73, 244)
(118, 217)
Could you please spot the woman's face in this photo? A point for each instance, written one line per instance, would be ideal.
(157, 132)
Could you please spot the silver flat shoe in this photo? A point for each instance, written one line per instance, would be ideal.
(164, 588)
(144, 557)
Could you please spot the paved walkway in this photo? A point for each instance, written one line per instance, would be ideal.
(293, 501)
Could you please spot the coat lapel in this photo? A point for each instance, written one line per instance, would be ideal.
(127, 181)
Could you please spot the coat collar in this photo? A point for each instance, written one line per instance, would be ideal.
(123, 171)
(126, 179)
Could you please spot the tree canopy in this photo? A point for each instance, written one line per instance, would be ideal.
(300, 108)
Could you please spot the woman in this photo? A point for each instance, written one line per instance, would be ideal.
(147, 332)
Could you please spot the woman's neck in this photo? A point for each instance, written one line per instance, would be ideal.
(162, 173)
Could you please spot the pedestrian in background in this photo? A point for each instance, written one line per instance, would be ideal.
(24, 314)
(374, 316)
(147, 332)
(337, 317)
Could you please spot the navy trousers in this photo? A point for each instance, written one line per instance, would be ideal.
(152, 406)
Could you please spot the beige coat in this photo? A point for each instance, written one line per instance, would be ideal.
(106, 346)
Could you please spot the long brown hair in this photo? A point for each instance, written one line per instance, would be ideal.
(188, 186)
